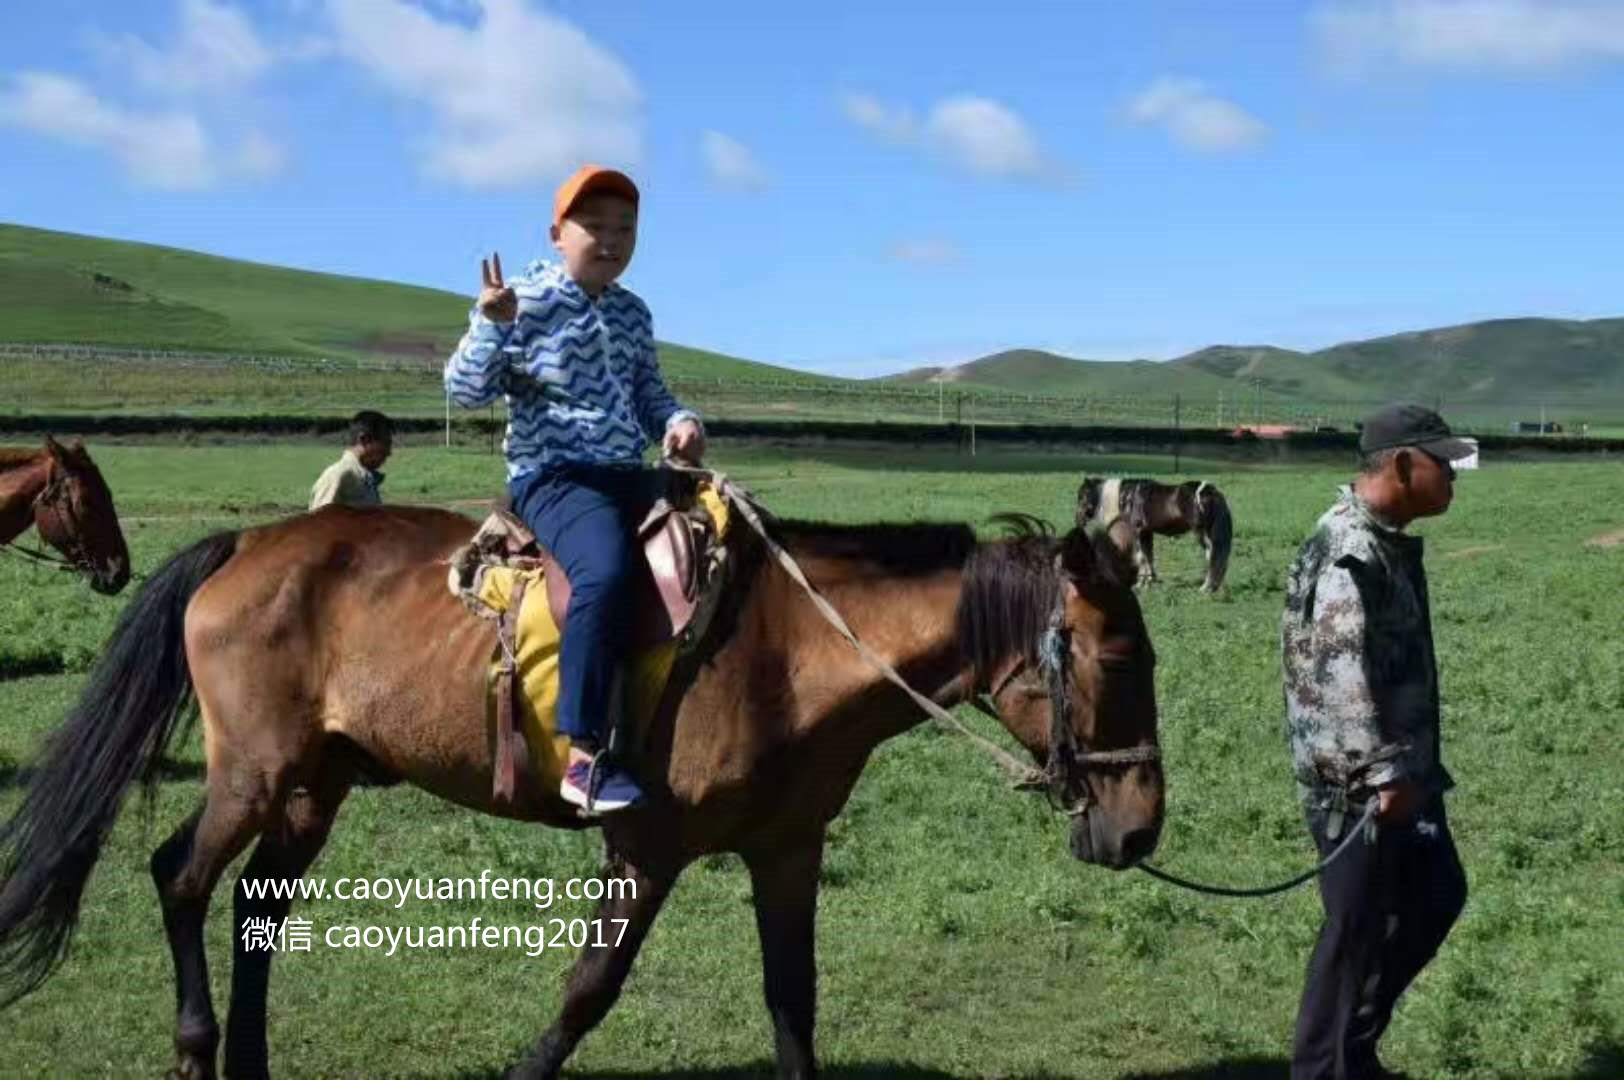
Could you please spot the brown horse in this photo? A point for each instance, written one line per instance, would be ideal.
(292, 639)
(1149, 508)
(60, 492)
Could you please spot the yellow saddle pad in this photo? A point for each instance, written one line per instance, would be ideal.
(537, 662)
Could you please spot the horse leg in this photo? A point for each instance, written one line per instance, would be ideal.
(284, 853)
(785, 881)
(185, 869)
(1208, 551)
(600, 971)
(1145, 556)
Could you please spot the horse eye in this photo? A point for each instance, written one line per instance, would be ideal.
(1120, 652)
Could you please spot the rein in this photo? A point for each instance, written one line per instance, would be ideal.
(49, 498)
(1059, 782)
(1280, 887)
(1054, 650)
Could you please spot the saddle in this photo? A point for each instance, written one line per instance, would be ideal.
(675, 588)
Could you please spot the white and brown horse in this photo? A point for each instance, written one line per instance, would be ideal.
(1148, 508)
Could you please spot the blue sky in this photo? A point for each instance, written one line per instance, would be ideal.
(858, 188)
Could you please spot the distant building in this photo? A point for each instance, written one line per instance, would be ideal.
(1264, 431)
(1536, 427)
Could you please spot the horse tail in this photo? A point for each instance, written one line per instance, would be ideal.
(1219, 529)
(1200, 515)
(129, 711)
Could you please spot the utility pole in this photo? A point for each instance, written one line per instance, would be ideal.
(1178, 439)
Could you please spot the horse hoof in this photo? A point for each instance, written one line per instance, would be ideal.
(191, 1068)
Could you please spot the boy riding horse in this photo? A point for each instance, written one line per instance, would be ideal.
(574, 354)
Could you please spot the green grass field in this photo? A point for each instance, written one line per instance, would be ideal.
(957, 938)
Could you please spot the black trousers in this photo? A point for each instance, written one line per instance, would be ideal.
(1388, 907)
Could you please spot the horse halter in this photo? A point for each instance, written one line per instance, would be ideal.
(54, 503)
(1065, 771)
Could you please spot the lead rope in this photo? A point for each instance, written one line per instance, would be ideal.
(53, 561)
(1020, 773)
(1269, 890)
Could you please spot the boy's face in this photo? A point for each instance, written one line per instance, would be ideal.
(597, 239)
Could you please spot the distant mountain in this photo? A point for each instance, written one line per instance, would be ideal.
(65, 287)
(1526, 359)
(1033, 371)
(1501, 359)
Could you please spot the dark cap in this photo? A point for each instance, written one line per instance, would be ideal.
(1411, 425)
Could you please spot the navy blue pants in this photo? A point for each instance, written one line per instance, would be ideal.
(586, 515)
(1388, 907)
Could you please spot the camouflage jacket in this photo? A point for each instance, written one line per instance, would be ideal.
(1361, 679)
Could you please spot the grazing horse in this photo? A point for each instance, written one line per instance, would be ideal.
(1170, 509)
(60, 492)
(326, 649)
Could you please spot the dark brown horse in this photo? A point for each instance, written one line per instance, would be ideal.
(60, 492)
(1149, 508)
(291, 638)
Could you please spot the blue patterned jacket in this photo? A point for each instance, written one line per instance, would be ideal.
(580, 375)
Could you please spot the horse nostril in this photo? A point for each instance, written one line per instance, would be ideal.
(1138, 844)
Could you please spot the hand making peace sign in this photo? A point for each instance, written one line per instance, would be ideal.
(497, 302)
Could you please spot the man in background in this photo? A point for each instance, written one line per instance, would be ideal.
(354, 479)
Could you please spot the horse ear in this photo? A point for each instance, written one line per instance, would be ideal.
(53, 448)
(1077, 555)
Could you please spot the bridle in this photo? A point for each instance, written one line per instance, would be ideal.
(1064, 779)
(55, 504)
(1064, 775)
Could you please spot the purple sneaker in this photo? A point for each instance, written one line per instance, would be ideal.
(612, 788)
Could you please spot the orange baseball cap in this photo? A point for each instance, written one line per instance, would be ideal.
(588, 180)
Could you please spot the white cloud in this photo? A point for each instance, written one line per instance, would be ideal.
(517, 96)
(926, 252)
(976, 134)
(167, 149)
(731, 164)
(1470, 35)
(1195, 118)
(985, 137)
(215, 48)
(896, 124)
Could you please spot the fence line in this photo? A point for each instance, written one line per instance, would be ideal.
(789, 398)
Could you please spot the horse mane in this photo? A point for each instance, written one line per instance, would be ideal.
(11, 457)
(903, 548)
(1010, 583)
(1010, 586)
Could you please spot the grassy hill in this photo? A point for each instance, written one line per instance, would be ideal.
(1033, 371)
(1501, 360)
(64, 287)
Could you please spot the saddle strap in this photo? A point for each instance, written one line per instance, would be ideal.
(509, 740)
